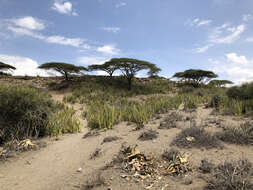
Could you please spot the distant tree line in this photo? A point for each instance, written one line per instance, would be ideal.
(129, 68)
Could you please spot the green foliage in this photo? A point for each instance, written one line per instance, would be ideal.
(109, 67)
(195, 76)
(63, 68)
(5, 67)
(24, 113)
(62, 122)
(219, 83)
(153, 71)
(101, 117)
(129, 67)
(243, 92)
(104, 116)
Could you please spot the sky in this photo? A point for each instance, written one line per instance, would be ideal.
(175, 35)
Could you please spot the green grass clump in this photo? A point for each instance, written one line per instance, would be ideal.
(24, 113)
(104, 115)
(101, 116)
(62, 122)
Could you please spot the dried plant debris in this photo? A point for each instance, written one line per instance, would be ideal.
(242, 135)
(235, 175)
(96, 154)
(148, 135)
(12, 148)
(178, 163)
(110, 139)
(91, 134)
(196, 137)
(138, 165)
(93, 181)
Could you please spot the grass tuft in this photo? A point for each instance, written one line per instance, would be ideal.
(197, 138)
(232, 176)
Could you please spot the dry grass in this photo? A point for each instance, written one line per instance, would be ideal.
(148, 135)
(242, 135)
(93, 181)
(231, 176)
(196, 137)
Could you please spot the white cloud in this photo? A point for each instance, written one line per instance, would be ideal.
(249, 39)
(24, 31)
(19, 28)
(225, 34)
(64, 7)
(247, 17)
(108, 49)
(111, 29)
(29, 23)
(198, 22)
(24, 65)
(75, 42)
(202, 49)
(234, 58)
(92, 60)
(121, 4)
(233, 67)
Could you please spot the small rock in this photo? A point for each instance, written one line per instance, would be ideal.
(79, 170)
(187, 181)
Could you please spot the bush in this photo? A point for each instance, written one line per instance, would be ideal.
(232, 176)
(195, 137)
(244, 92)
(242, 135)
(24, 113)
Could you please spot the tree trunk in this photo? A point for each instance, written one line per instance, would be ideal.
(129, 83)
(66, 76)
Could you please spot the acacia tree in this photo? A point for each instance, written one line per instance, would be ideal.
(65, 69)
(109, 67)
(5, 67)
(196, 75)
(219, 83)
(153, 71)
(129, 67)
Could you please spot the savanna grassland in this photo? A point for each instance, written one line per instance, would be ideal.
(92, 132)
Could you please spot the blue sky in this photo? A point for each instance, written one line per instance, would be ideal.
(176, 35)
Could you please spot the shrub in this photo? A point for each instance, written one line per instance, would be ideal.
(232, 176)
(242, 135)
(243, 92)
(24, 113)
(195, 137)
(63, 122)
